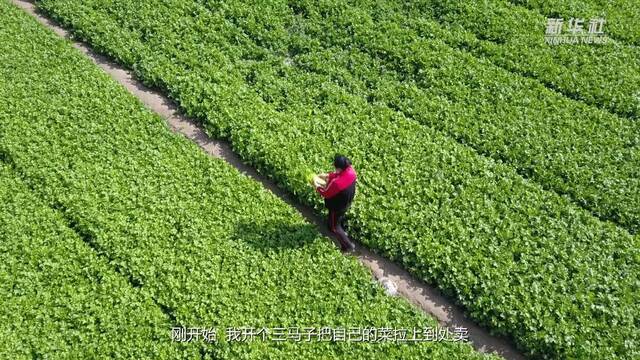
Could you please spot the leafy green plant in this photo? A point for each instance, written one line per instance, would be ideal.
(513, 38)
(523, 260)
(480, 105)
(111, 196)
(60, 298)
(621, 15)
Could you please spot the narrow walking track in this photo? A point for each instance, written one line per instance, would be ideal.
(417, 292)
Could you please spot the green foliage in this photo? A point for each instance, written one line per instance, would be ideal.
(545, 136)
(513, 37)
(387, 53)
(524, 261)
(59, 299)
(211, 247)
(621, 15)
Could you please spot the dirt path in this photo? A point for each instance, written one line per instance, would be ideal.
(417, 292)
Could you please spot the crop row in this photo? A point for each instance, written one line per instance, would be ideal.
(510, 36)
(60, 298)
(523, 261)
(621, 15)
(545, 136)
(210, 246)
(514, 38)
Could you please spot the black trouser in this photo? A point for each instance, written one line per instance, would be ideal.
(336, 217)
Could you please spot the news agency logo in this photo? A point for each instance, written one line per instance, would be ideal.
(573, 31)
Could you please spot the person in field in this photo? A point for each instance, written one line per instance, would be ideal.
(338, 193)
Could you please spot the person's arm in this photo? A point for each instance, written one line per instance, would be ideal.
(330, 190)
(337, 184)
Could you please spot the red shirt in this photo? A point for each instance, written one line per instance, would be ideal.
(338, 182)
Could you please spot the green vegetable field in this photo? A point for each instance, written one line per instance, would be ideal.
(113, 230)
(501, 169)
(622, 15)
(438, 95)
(502, 33)
(59, 296)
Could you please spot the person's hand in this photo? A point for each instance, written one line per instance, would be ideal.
(323, 176)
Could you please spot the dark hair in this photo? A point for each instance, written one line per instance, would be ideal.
(341, 162)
